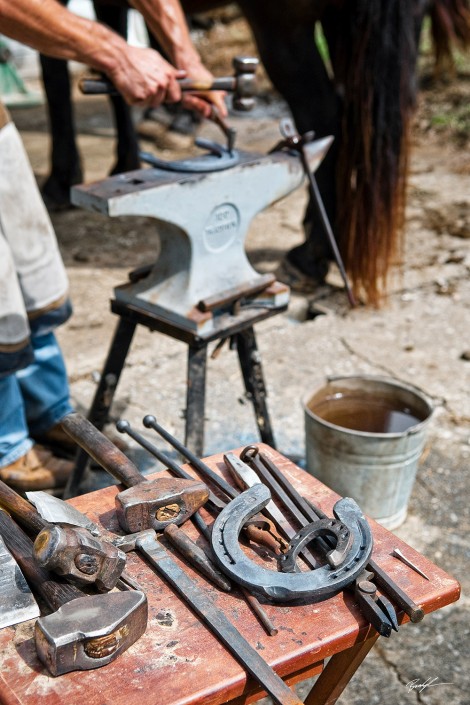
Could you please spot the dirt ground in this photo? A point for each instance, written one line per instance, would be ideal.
(421, 335)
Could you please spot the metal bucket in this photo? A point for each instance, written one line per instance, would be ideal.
(364, 438)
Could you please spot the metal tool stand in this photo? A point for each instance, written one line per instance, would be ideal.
(237, 327)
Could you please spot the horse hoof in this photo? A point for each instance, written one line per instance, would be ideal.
(56, 195)
(298, 281)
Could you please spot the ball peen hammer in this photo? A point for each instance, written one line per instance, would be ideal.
(85, 631)
(146, 504)
(71, 552)
(242, 85)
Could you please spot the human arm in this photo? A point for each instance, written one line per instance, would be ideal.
(166, 20)
(141, 75)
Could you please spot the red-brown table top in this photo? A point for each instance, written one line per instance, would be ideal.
(178, 661)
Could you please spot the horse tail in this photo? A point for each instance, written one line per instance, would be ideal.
(450, 24)
(375, 67)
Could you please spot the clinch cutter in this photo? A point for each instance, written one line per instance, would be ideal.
(315, 585)
(377, 609)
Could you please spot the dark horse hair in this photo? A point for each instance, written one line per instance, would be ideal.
(374, 58)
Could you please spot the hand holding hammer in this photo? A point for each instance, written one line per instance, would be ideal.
(242, 85)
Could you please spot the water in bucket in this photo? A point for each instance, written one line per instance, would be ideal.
(364, 438)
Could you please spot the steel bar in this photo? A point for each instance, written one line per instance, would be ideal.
(218, 623)
(263, 618)
(271, 477)
(308, 509)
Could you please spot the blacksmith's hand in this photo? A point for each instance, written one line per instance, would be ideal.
(143, 77)
(202, 101)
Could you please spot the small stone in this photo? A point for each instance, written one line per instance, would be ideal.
(465, 355)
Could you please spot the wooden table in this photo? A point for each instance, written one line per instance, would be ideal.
(179, 662)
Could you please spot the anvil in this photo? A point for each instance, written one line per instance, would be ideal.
(202, 222)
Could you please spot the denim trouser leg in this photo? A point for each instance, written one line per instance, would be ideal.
(33, 399)
(44, 385)
(14, 434)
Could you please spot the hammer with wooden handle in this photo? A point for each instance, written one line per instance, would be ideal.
(242, 85)
(84, 632)
(147, 504)
(71, 552)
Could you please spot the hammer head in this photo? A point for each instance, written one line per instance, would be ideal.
(74, 553)
(90, 632)
(245, 82)
(156, 503)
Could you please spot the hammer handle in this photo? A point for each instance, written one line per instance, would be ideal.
(21, 509)
(101, 86)
(55, 594)
(101, 449)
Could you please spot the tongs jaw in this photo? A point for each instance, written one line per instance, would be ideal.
(377, 609)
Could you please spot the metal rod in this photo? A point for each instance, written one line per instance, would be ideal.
(151, 422)
(263, 618)
(270, 478)
(125, 427)
(315, 193)
(310, 510)
(384, 581)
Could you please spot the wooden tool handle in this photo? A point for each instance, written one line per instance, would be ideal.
(21, 509)
(101, 449)
(20, 546)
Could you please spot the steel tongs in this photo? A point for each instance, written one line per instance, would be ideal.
(377, 609)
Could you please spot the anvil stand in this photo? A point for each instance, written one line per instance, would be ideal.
(202, 288)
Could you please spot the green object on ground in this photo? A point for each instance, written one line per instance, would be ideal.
(13, 91)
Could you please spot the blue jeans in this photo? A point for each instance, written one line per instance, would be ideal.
(33, 399)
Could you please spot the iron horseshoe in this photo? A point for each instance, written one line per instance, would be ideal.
(315, 585)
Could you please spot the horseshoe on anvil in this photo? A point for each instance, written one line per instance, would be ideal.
(314, 585)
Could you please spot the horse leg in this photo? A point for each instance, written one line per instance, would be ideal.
(65, 159)
(127, 146)
(296, 69)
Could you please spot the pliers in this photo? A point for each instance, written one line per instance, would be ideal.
(377, 609)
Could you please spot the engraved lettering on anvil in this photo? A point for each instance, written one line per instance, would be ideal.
(222, 227)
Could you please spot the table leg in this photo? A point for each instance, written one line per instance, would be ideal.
(338, 672)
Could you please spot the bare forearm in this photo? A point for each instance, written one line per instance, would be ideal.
(167, 22)
(48, 27)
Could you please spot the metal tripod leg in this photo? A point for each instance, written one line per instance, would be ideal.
(196, 399)
(98, 414)
(250, 363)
